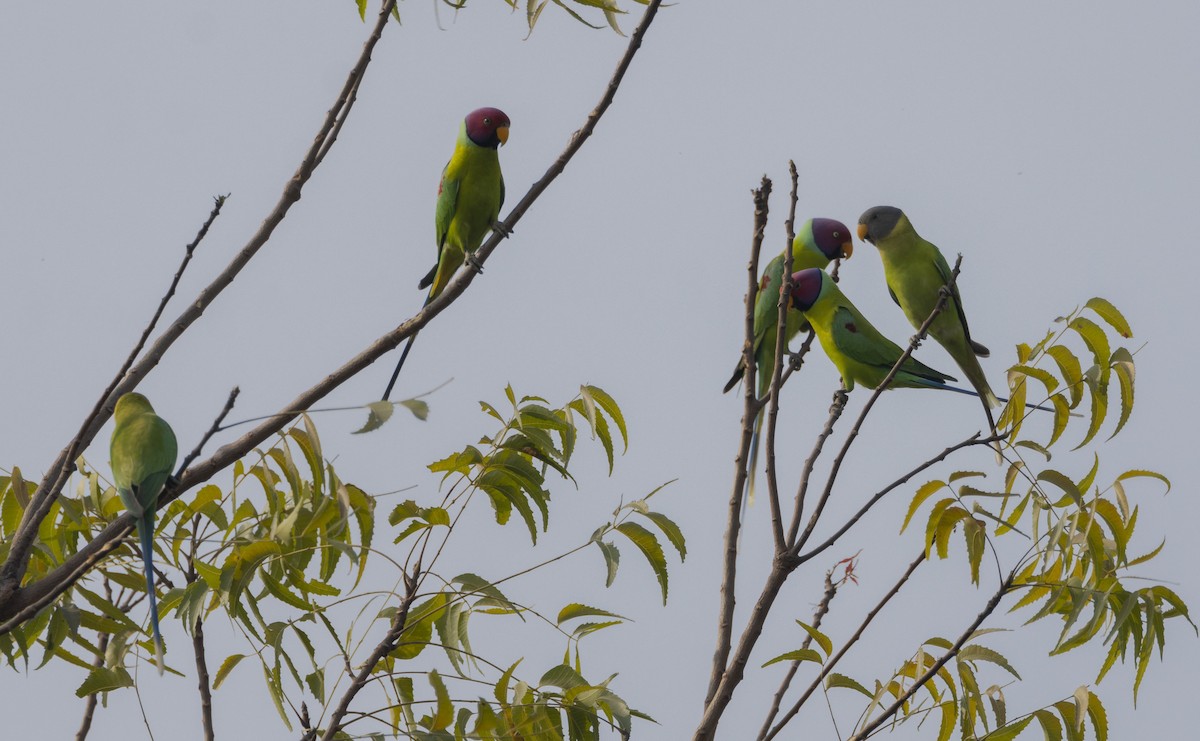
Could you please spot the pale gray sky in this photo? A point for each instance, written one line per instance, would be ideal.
(1053, 145)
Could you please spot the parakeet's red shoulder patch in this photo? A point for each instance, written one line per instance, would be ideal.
(440, 187)
(851, 326)
(762, 284)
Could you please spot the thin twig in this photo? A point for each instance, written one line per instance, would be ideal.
(819, 614)
(47, 492)
(213, 429)
(916, 340)
(891, 710)
(56, 476)
(969, 442)
(89, 708)
(398, 626)
(784, 302)
(835, 413)
(750, 410)
(202, 681)
(833, 660)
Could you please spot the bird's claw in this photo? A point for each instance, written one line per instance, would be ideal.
(473, 263)
(504, 230)
(172, 482)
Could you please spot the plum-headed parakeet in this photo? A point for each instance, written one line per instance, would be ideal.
(142, 454)
(818, 242)
(861, 353)
(915, 270)
(470, 195)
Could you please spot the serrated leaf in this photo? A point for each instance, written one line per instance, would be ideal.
(577, 610)
(834, 679)
(103, 679)
(671, 530)
(610, 408)
(800, 654)
(378, 412)
(419, 408)
(1122, 363)
(1099, 716)
(821, 639)
(650, 548)
(976, 652)
(1010, 731)
(924, 492)
(612, 560)
(1071, 370)
(226, 667)
(1110, 314)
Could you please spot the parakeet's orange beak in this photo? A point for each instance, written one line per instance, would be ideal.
(502, 134)
(862, 230)
(847, 249)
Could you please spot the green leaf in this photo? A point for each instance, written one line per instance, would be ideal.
(419, 409)
(1072, 372)
(612, 559)
(650, 548)
(976, 652)
(1109, 313)
(378, 413)
(444, 714)
(1010, 731)
(671, 530)
(1047, 379)
(606, 402)
(834, 679)
(927, 489)
(577, 610)
(1099, 716)
(1063, 482)
(226, 667)
(362, 9)
(800, 654)
(103, 679)
(821, 639)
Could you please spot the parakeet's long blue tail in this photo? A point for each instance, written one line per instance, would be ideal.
(145, 528)
(396, 373)
(969, 392)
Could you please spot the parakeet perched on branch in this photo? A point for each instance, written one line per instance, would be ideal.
(915, 271)
(142, 454)
(818, 242)
(470, 195)
(861, 353)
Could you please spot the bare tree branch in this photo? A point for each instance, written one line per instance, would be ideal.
(784, 302)
(750, 410)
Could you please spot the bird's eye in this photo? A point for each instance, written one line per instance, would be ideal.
(836, 235)
(487, 121)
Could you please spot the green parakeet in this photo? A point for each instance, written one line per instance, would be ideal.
(470, 195)
(142, 454)
(861, 353)
(818, 242)
(915, 270)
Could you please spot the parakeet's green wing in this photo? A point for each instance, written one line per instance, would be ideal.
(446, 203)
(943, 268)
(861, 342)
(143, 452)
